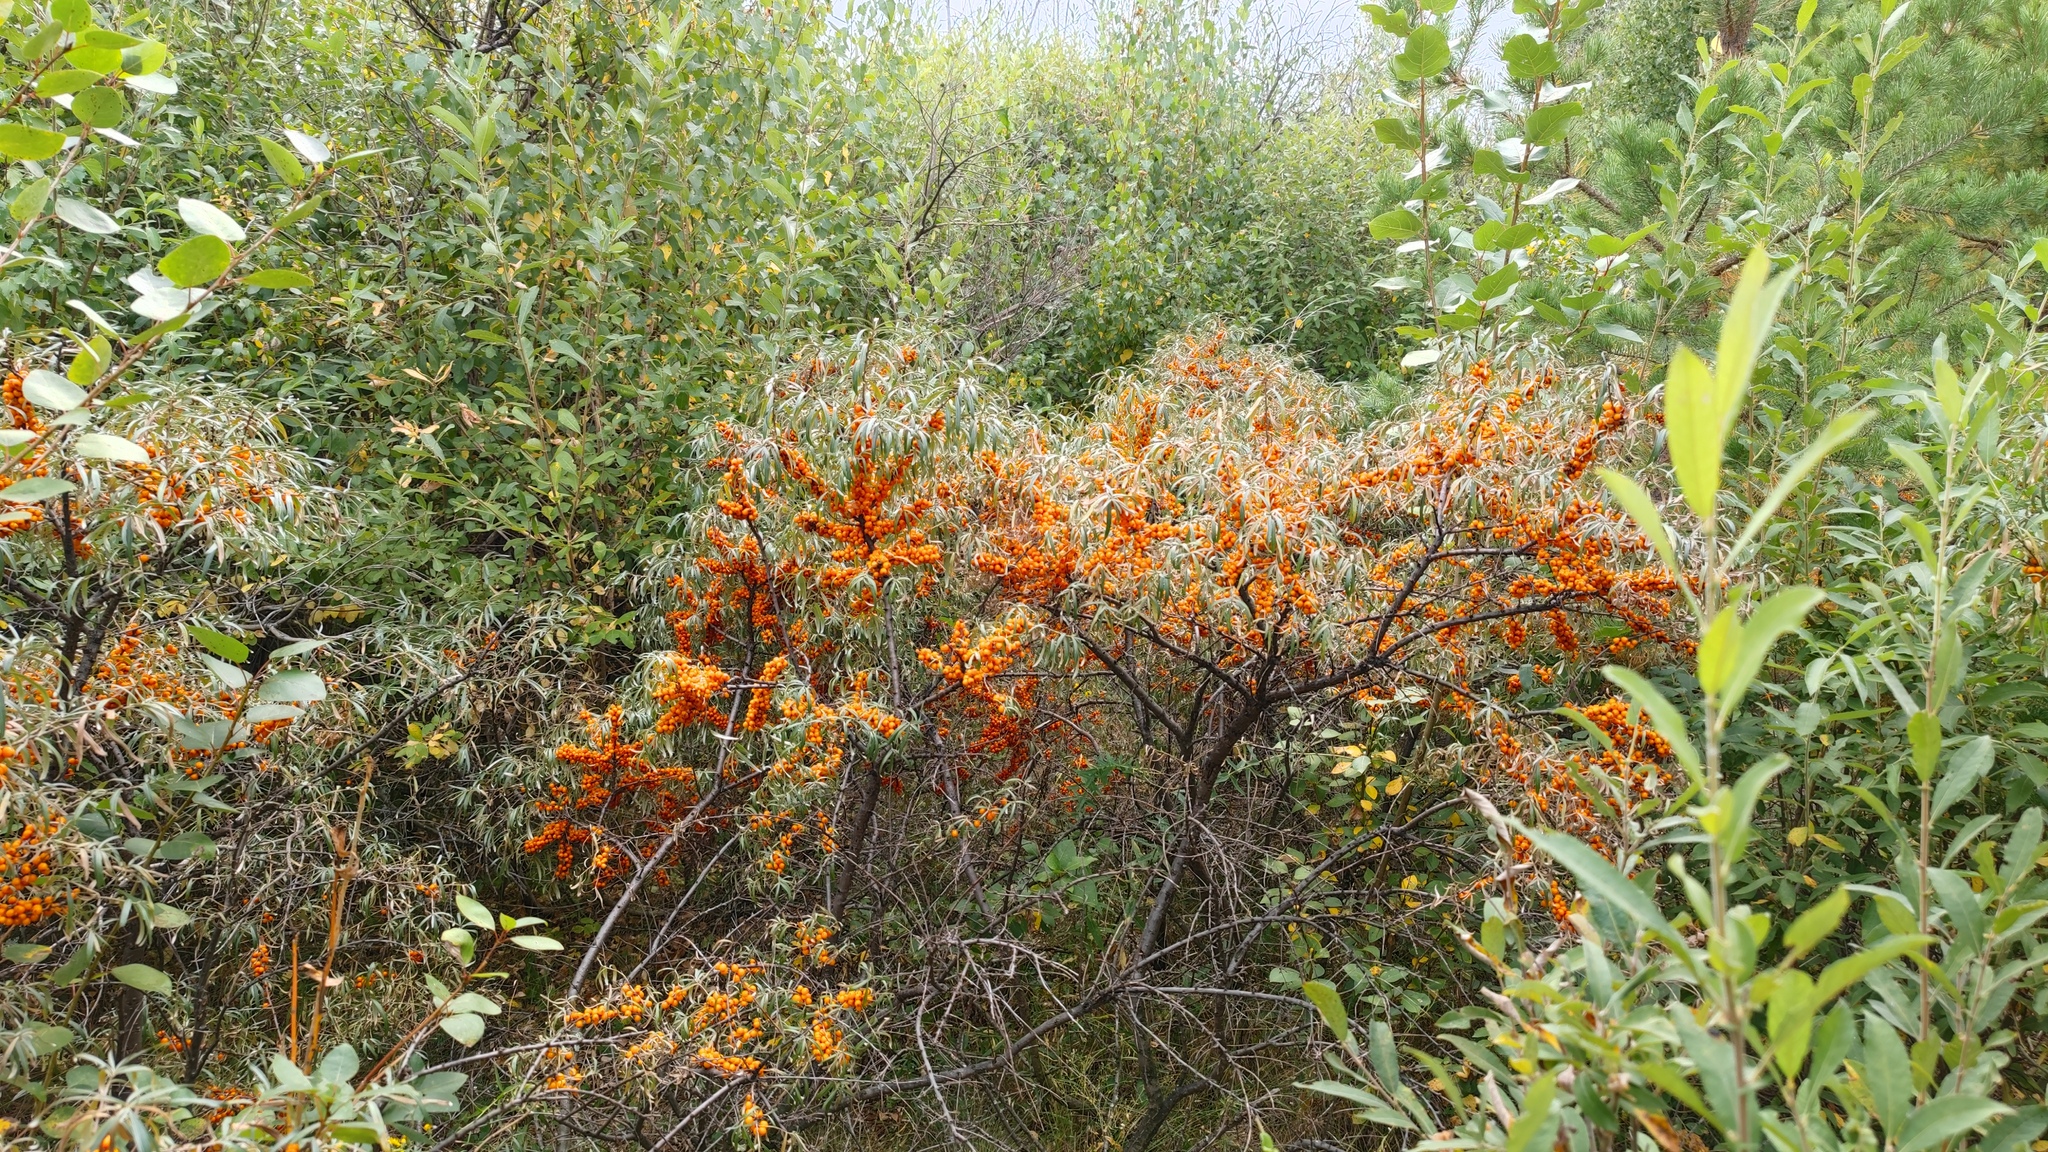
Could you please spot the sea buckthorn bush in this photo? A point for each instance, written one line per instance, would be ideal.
(784, 576)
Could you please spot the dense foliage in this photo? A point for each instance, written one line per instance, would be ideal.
(748, 575)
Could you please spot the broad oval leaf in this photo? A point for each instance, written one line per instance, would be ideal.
(297, 686)
(310, 147)
(196, 262)
(107, 446)
(465, 1028)
(85, 217)
(475, 913)
(207, 220)
(21, 142)
(46, 389)
(538, 943)
(100, 107)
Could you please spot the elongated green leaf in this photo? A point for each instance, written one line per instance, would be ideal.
(35, 490)
(1535, 1117)
(1752, 311)
(30, 200)
(1844, 973)
(1330, 1005)
(219, 643)
(279, 278)
(537, 943)
(285, 164)
(1782, 613)
(1888, 1073)
(1946, 1118)
(1817, 923)
(1643, 510)
(1693, 430)
(143, 978)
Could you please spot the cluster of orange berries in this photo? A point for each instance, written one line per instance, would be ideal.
(758, 702)
(752, 1118)
(25, 865)
(259, 962)
(633, 1007)
(968, 662)
(811, 943)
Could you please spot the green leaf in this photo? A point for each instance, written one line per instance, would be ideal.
(66, 81)
(311, 148)
(465, 1028)
(92, 360)
(1843, 973)
(74, 15)
(1600, 878)
(1497, 283)
(1782, 613)
(1535, 1115)
(1371, 1107)
(1970, 763)
(1330, 1005)
(1546, 124)
(143, 978)
(285, 164)
(475, 1002)
(279, 278)
(1790, 1020)
(310, 206)
(1395, 224)
(485, 336)
(1888, 1074)
(1643, 511)
(35, 490)
(1923, 731)
(1528, 58)
(197, 262)
(29, 200)
(1694, 430)
(21, 142)
(537, 943)
(1397, 132)
(1752, 312)
(296, 686)
(1817, 923)
(100, 107)
(339, 1065)
(220, 644)
(1428, 52)
(46, 389)
(106, 446)
(85, 217)
(207, 220)
(475, 913)
(286, 1075)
